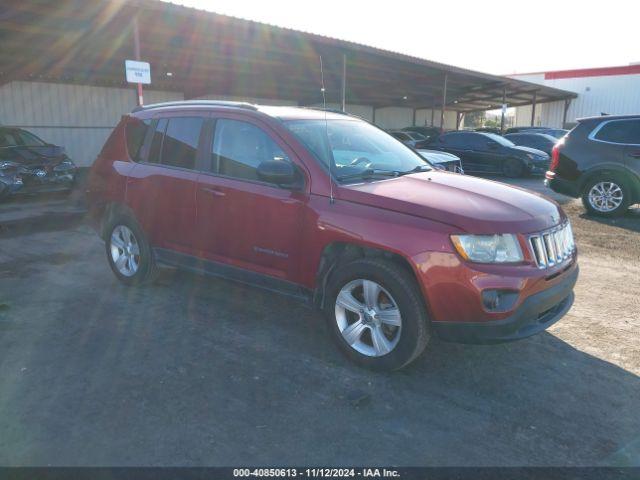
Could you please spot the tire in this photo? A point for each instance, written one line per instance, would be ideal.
(513, 168)
(606, 196)
(405, 336)
(125, 239)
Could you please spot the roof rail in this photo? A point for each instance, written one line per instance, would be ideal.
(191, 103)
(330, 110)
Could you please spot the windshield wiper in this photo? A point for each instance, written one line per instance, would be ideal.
(369, 173)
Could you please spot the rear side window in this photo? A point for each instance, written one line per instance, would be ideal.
(156, 142)
(135, 131)
(239, 147)
(180, 144)
(620, 131)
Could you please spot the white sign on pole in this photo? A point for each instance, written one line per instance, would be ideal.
(138, 72)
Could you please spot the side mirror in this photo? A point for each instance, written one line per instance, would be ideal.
(279, 172)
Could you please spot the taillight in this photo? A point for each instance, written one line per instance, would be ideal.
(555, 157)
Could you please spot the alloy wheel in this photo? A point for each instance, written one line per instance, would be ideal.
(368, 318)
(605, 196)
(125, 251)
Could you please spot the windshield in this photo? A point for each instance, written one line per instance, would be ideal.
(12, 138)
(416, 136)
(350, 147)
(500, 139)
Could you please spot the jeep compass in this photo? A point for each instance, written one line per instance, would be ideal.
(334, 211)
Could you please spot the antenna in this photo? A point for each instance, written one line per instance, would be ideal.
(326, 128)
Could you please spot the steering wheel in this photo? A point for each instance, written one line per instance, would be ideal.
(360, 160)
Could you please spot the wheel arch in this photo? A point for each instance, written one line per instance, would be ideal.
(617, 171)
(339, 253)
(112, 210)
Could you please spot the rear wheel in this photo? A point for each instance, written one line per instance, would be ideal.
(128, 252)
(376, 314)
(513, 168)
(606, 196)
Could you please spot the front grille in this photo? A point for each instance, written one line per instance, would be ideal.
(552, 247)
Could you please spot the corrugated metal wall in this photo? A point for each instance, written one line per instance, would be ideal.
(78, 117)
(613, 94)
(81, 117)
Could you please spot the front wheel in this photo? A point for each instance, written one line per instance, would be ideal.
(513, 168)
(376, 314)
(606, 197)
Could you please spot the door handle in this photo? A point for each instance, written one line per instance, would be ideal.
(213, 191)
(635, 154)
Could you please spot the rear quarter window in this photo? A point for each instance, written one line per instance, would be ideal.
(619, 131)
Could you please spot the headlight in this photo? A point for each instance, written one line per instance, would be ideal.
(5, 165)
(488, 248)
(65, 165)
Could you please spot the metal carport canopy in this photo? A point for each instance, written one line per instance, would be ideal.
(87, 41)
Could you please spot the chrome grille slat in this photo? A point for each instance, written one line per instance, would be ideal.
(552, 247)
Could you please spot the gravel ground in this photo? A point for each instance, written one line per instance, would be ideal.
(198, 371)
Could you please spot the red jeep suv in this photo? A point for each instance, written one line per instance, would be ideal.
(330, 209)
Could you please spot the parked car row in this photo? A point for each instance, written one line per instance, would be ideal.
(29, 164)
(482, 151)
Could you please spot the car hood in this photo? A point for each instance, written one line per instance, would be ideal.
(33, 155)
(472, 204)
(535, 151)
(436, 156)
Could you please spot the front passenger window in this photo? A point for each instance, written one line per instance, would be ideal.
(239, 147)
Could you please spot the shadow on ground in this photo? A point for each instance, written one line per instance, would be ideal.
(199, 371)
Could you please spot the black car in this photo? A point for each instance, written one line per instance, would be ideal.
(599, 160)
(29, 164)
(539, 141)
(490, 153)
(427, 132)
(554, 132)
(488, 130)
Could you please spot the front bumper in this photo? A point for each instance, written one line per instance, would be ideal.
(539, 168)
(560, 185)
(10, 184)
(51, 182)
(535, 314)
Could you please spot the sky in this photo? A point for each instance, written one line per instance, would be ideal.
(498, 37)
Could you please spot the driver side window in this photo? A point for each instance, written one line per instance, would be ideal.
(240, 147)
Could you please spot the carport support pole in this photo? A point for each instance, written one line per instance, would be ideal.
(504, 100)
(459, 117)
(444, 101)
(136, 46)
(433, 111)
(533, 109)
(344, 82)
(567, 102)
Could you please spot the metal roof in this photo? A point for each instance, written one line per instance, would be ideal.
(87, 41)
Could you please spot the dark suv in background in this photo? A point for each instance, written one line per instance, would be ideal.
(599, 160)
(490, 153)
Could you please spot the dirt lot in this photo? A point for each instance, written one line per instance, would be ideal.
(198, 371)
